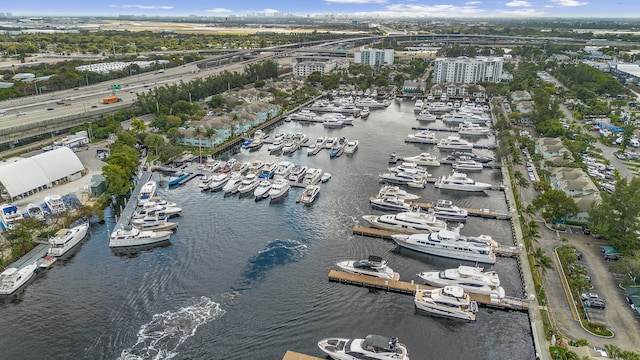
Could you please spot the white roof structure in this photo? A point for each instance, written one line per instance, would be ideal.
(39, 171)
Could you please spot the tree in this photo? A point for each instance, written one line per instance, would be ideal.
(629, 265)
(154, 141)
(542, 261)
(556, 204)
(117, 180)
(314, 78)
(138, 126)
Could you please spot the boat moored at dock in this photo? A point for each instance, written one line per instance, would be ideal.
(471, 278)
(372, 347)
(372, 266)
(66, 239)
(449, 244)
(449, 301)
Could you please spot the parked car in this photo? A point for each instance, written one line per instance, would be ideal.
(589, 296)
(601, 351)
(594, 303)
(586, 230)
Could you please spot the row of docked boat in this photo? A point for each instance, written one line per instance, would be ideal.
(336, 146)
(10, 214)
(287, 143)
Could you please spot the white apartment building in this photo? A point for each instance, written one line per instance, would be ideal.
(467, 70)
(373, 57)
(304, 68)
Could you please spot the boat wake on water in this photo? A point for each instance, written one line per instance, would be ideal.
(277, 253)
(160, 338)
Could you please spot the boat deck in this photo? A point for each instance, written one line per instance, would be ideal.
(292, 355)
(409, 288)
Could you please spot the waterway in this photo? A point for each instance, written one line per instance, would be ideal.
(248, 280)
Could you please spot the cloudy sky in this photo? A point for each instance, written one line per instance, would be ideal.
(382, 8)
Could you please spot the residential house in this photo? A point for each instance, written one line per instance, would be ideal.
(575, 183)
(520, 95)
(413, 87)
(552, 149)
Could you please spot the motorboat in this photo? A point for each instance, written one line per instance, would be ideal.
(231, 187)
(438, 107)
(460, 181)
(454, 143)
(462, 117)
(351, 147)
(55, 204)
(410, 167)
(268, 170)
(154, 221)
(368, 102)
(205, 181)
(300, 137)
(290, 146)
(466, 164)
(255, 145)
(365, 112)
(297, 173)
(304, 115)
(346, 120)
(255, 166)
(218, 181)
(424, 159)
(449, 301)
(12, 278)
(473, 279)
(65, 239)
(415, 178)
(279, 189)
(389, 203)
(393, 158)
(472, 129)
(395, 191)
(325, 177)
(310, 194)
(147, 191)
(129, 236)
(260, 135)
(333, 123)
(423, 137)
(411, 222)
(228, 166)
(159, 201)
(418, 106)
(248, 184)
(472, 155)
(212, 165)
(240, 167)
(372, 266)
(426, 116)
(9, 214)
(314, 149)
(276, 145)
(445, 210)
(338, 148)
(163, 210)
(450, 244)
(372, 347)
(283, 169)
(331, 142)
(312, 176)
(320, 141)
(35, 211)
(262, 190)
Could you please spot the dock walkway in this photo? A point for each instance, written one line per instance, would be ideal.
(130, 208)
(291, 355)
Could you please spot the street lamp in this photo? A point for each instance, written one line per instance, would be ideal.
(84, 105)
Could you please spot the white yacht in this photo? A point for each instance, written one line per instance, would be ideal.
(12, 278)
(424, 159)
(218, 181)
(150, 207)
(373, 347)
(268, 170)
(9, 214)
(283, 169)
(414, 178)
(346, 120)
(262, 190)
(297, 173)
(450, 301)
(389, 203)
(314, 149)
(331, 142)
(304, 115)
(438, 107)
(418, 105)
(276, 145)
(373, 266)
(333, 123)
(471, 278)
(320, 141)
(445, 210)
(460, 181)
(472, 129)
(338, 149)
(310, 194)
(423, 137)
(461, 117)
(130, 236)
(426, 116)
(410, 167)
(351, 147)
(66, 239)
(466, 164)
(248, 184)
(147, 191)
(395, 191)
(255, 166)
(154, 222)
(35, 211)
(365, 113)
(449, 244)
(290, 146)
(279, 189)
(454, 143)
(312, 176)
(231, 187)
(410, 222)
(55, 204)
(204, 182)
(371, 103)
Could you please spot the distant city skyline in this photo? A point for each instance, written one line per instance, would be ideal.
(355, 8)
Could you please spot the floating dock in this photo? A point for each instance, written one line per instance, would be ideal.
(189, 178)
(291, 355)
(409, 288)
(483, 213)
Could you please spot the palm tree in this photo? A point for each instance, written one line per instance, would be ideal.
(613, 351)
(542, 261)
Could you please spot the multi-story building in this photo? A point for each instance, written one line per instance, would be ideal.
(304, 68)
(373, 57)
(468, 70)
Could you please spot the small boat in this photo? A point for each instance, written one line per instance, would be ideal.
(279, 189)
(331, 141)
(55, 204)
(47, 261)
(445, 210)
(283, 169)
(313, 149)
(297, 173)
(336, 151)
(262, 190)
(365, 112)
(130, 236)
(473, 279)
(255, 145)
(147, 191)
(372, 347)
(393, 158)
(373, 266)
(290, 146)
(310, 194)
(35, 211)
(312, 176)
(351, 147)
(449, 301)
(418, 105)
(13, 279)
(65, 239)
(395, 191)
(218, 182)
(325, 177)
(9, 214)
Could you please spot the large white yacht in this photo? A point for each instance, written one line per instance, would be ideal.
(395, 191)
(147, 191)
(425, 116)
(231, 187)
(424, 159)
(438, 107)
(283, 169)
(449, 244)
(423, 137)
(454, 143)
(414, 178)
(218, 181)
(460, 181)
(331, 142)
(277, 145)
(297, 173)
(372, 347)
(389, 203)
(466, 164)
(371, 103)
(445, 210)
(312, 176)
(373, 266)
(351, 147)
(12, 278)
(262, 190)
(129, 236)
(66, 239)
(279, 189)
(450, 302)
(462, 117)
(471, 278)
(55, 204)
(411, 222)
(248, 184)
(9, 214)
(310, 194)
(472, 129)
(418, 105)
(164, 210)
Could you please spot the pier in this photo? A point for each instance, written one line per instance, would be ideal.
(482, 213)
(291, 355)
(130, 208)
(189, 178)
(410, 288)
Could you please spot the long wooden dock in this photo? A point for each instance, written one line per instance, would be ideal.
(409, 288)
(292, 355)
(483, 213)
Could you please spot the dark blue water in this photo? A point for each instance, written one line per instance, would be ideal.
(247, 280)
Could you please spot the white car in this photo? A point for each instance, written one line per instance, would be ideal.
(21, 113)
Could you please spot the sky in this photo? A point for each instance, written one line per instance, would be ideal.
(356, 8)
